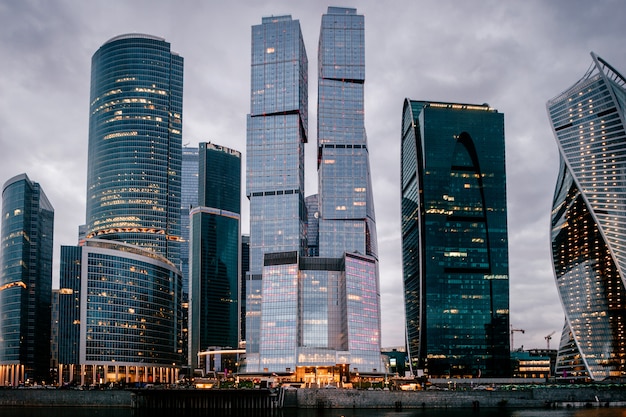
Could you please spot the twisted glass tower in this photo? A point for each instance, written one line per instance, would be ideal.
(135, 144)
(589, 223)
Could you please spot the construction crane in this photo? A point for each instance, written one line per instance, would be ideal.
(548, 338)
(512, 332)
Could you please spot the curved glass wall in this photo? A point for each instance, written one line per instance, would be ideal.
(588, 223)
(135, 144)
(130, 306)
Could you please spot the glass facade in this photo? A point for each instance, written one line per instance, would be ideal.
(347, 223)
(313, 309)
(346, 205)
(129, 310)
(189, 199)
(279, 312)
(215, 244)
(454, 239)
(25, 282)
(119, 314)
(276, 134)
(588, 221)
(135, 144)
(69, 310)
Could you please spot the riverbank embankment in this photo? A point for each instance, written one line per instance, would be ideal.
(593, 396)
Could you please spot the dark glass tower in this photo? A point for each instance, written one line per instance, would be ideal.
(215, 245)
(25, 281)
(454, 239)
(589, 223)
(135, 145)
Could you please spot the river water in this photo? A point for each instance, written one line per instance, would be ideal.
(484, 412)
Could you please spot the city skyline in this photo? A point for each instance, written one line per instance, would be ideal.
(514, 56)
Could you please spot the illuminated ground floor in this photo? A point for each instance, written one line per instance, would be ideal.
(12, 375)
(96, 374)
(338, 376)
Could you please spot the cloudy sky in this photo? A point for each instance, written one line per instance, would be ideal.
(513, 55)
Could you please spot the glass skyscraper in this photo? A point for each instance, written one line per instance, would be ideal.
(130, 291)
(454, 239)
(25, 282)
(135, 144)
(313, 310)
(346, 224)
(189, 199)
(277, 132)
(589, 223)
(215, 245)
(345, 193)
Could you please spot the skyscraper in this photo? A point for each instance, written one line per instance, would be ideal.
(130, 286)
(189, 199)
(277, 132)
(588, 223)
(135, 144)
(215, 244)
(345, 193)
(313, 310)
(454, 238)
(347, 227)
(25, 282)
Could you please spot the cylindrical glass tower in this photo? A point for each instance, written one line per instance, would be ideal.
(135, 144)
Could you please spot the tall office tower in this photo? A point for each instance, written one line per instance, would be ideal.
(315, 312)
(589, 223)
(130, 286)
(25, 282)
(189, 199)
(215, 243)
(346, 206)
(276, 134)
(135, 144)
(454, 239)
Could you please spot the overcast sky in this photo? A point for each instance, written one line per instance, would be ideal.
(514, 55)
